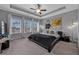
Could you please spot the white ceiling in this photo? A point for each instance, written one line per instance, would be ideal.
(49, 7)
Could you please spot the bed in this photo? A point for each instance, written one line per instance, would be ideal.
(46, 41)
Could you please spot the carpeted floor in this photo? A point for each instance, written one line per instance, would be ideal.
(26, 47)
(65, 48)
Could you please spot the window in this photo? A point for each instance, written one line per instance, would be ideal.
(34, 26)
(31, 26)
(2, 23)
(15, 24)
(27, 26)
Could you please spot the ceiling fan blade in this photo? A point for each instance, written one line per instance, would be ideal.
(32, 8)
(43, 10)
(38, 6)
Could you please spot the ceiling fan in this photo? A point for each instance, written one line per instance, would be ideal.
(38, 9)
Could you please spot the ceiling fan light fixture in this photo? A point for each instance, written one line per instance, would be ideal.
(38, 10)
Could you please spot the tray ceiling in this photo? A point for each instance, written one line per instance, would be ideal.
(52, 9)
